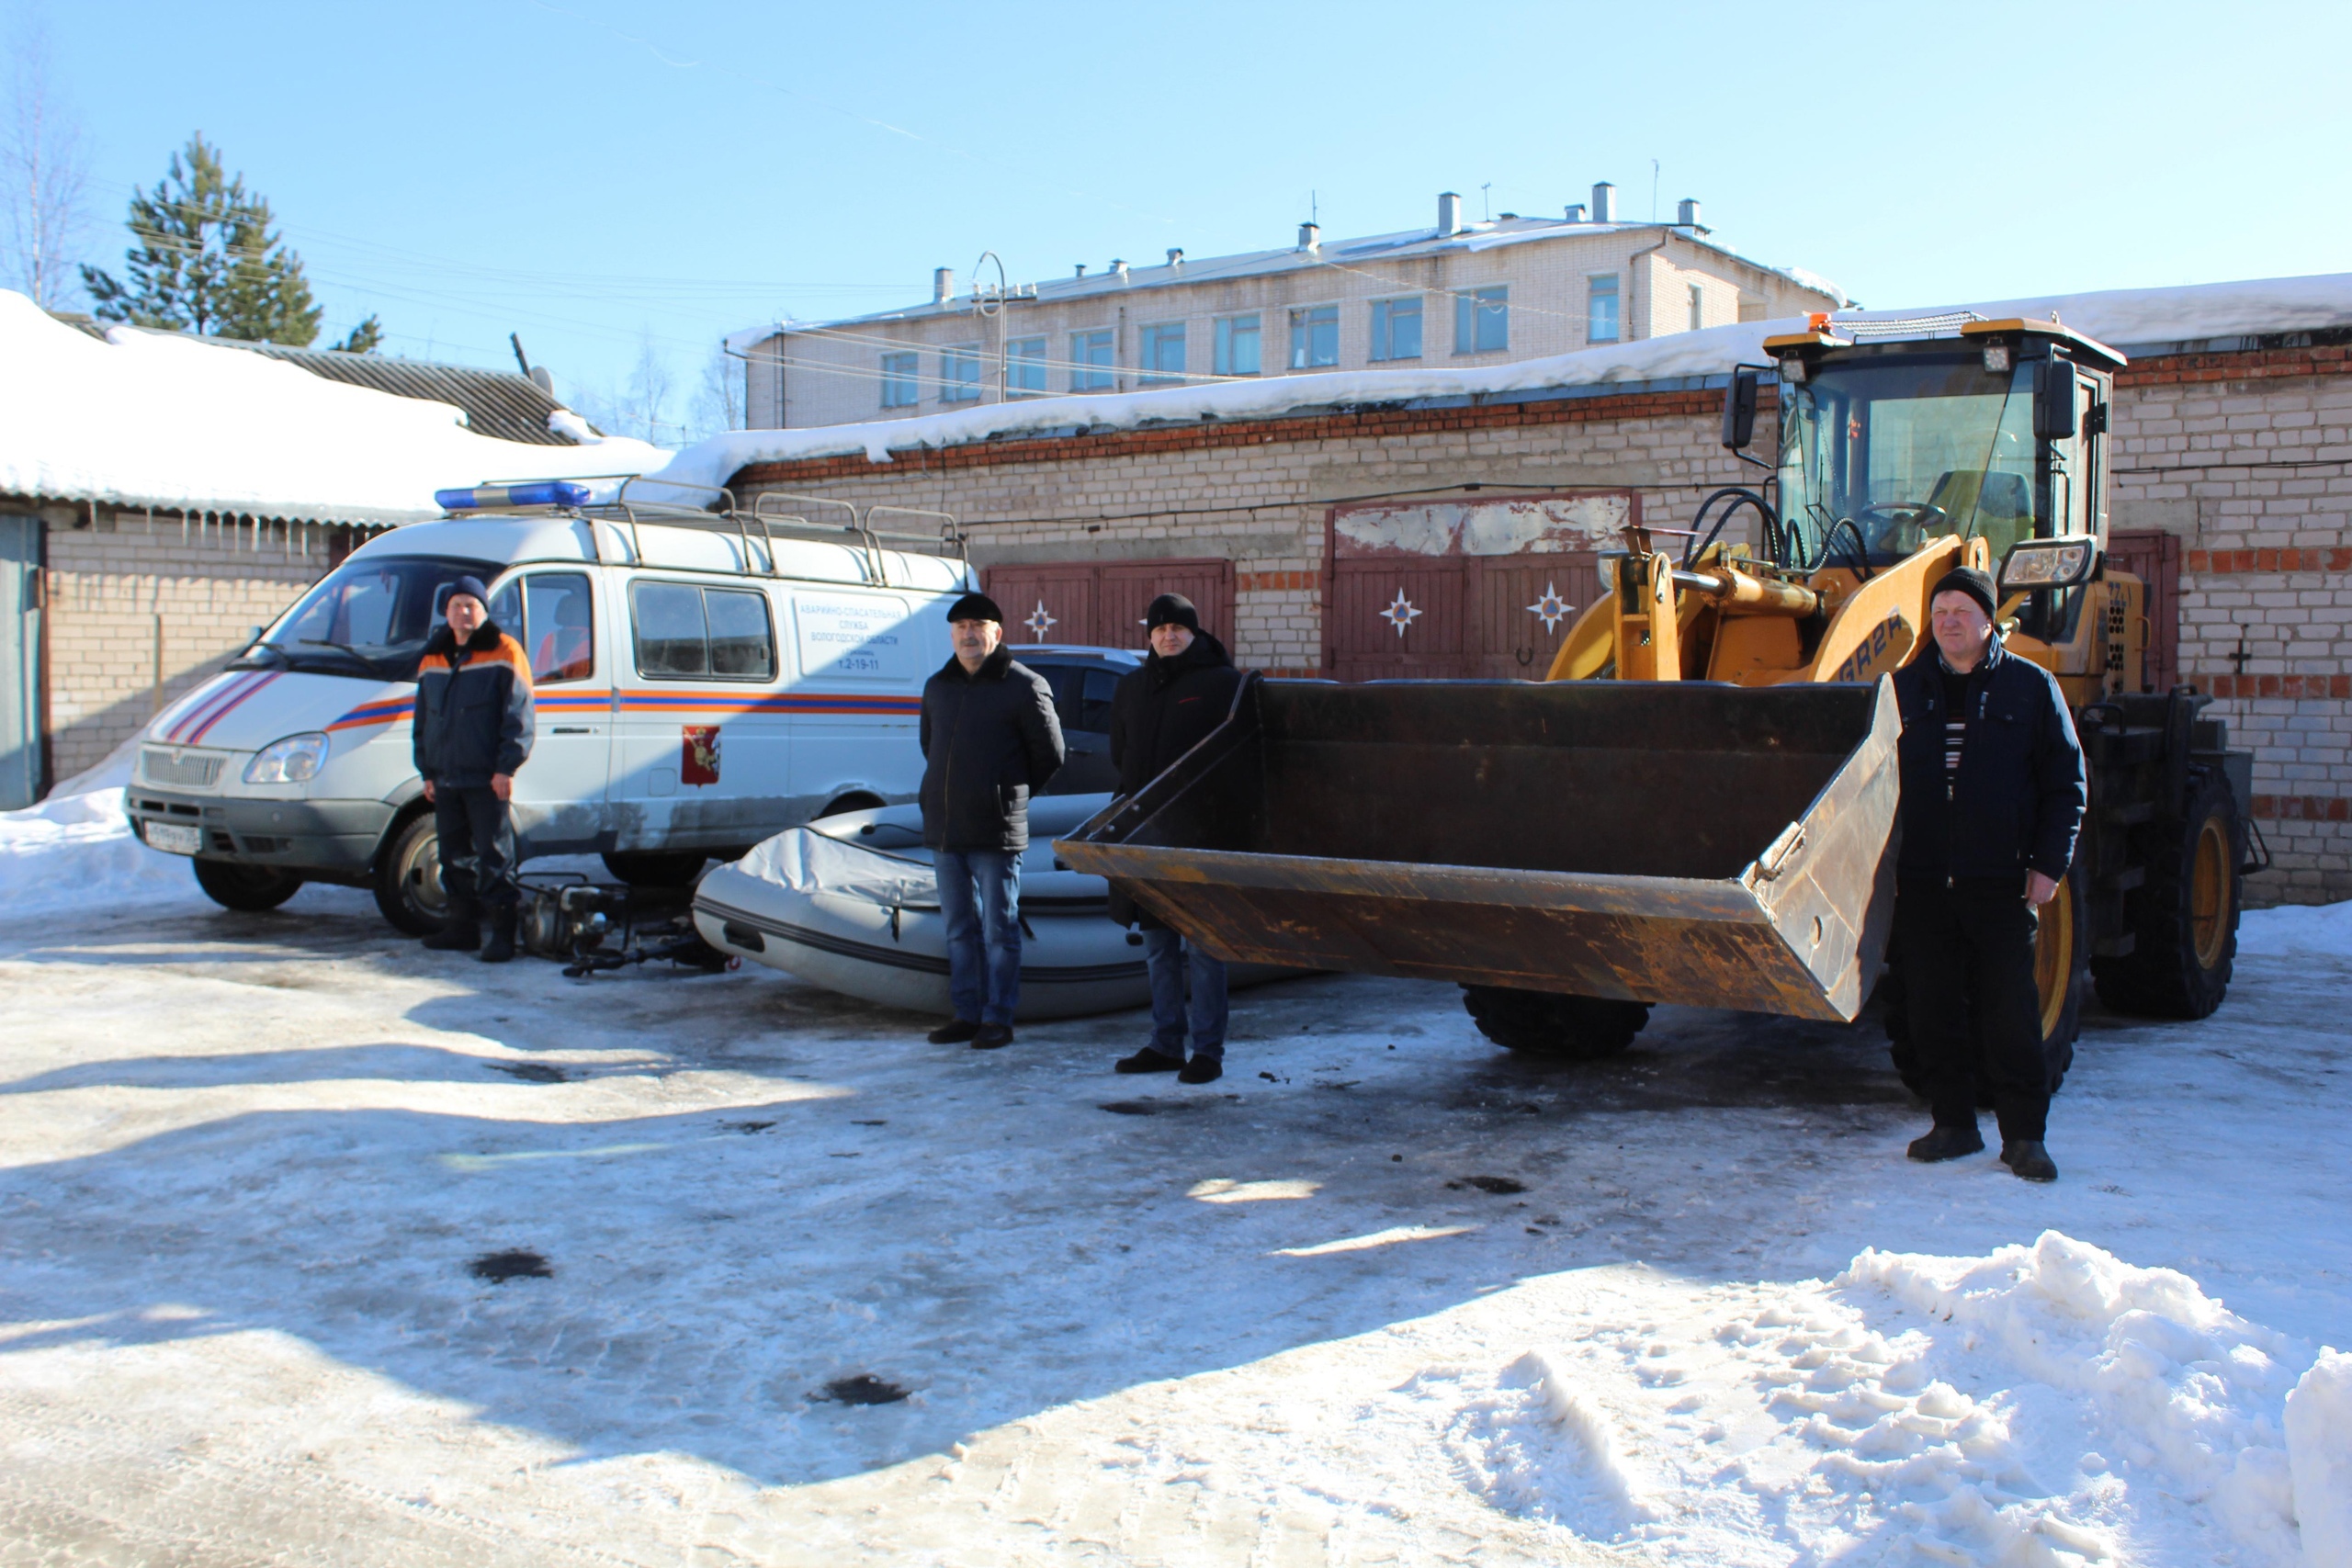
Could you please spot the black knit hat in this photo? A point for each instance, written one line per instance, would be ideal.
(473, 587)
(1969, 581)
(974, 607)
(1173, 610)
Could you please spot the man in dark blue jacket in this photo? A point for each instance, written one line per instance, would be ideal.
(1993, 796)
(472, 731)
(990, 739)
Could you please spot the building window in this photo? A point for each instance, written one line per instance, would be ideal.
(1395, 329)
(1024, 366)
(1698, 307)
(1091, 362)
(1163, 354)
(1314, 337)
(1237, 345)
(959, 373)
(1482, 320)
(1600, 309)
(898, 378)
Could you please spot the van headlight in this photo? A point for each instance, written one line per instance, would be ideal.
(294, 760)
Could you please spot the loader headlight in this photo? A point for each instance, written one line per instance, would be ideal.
(2049, 563)
(294, 760)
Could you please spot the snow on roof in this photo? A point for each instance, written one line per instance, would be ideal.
(158, 419)
(2122, 317)
(1402, 245)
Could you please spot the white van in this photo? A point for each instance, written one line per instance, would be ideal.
(705, 679)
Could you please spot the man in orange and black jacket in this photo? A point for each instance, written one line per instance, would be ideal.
(473, 730)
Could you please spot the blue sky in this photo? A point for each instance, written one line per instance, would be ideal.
(608, 179)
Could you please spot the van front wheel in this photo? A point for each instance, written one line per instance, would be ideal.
(408, 878)
(248, 889)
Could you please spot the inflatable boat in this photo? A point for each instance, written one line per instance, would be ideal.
(850, 903)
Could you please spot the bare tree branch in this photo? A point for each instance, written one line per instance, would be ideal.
(44, 214)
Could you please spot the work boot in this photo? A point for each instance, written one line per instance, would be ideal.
(954, 1032)
(460, 927)
(2029, 1160)
(993, 1037)
(1147, 1061)
(1202, 1069)
(1947, 1143)
(500, 946)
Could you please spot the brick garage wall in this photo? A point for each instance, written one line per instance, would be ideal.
(115, 581)
(2247, 457)
(2242, 455)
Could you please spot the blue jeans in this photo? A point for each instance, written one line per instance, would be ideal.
(1166, 956)
(979, 895)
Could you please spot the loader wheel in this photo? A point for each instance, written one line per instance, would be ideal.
(1544, 1023)
(2060, 975)
(2184, 917)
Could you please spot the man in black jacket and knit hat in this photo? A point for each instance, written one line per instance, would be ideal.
(1993, 795)
(1161, 711)
(989, 740)
(472, 731)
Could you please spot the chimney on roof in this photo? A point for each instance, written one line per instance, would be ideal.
(1604, 203)
(1175, 255)
(1082, 269)
(1449, 214)
(1310, 236)
(1118, 270)
(1576, 212)
(943, 285)
(1685, 213)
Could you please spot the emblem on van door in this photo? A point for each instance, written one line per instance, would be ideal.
(698, 755)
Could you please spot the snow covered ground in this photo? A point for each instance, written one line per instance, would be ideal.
(1383, 1294)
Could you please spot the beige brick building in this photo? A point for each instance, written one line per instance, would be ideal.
(2233, 465)
(1460, 294)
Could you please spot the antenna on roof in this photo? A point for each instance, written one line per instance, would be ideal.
(520, 357)
(1653, 190)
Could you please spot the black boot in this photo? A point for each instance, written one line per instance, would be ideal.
(460, 927)
(501, 947)
(1202, 1069)
(954, 1032)
(1947, 1143)
(2029, 1160)
(993, 1037)
(1147, 1061)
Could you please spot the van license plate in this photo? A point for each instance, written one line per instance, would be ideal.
(172, 839)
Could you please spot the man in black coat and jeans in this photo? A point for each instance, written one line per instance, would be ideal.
(1161, 711)
(1993, 795)
(989, 740)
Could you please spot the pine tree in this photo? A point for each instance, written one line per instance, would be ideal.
(364, 338)
(206, 261)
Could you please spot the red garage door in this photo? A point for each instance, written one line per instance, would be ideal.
(1477, 589)
(1102, 604)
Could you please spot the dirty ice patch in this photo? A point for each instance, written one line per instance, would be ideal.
(2047, 1404)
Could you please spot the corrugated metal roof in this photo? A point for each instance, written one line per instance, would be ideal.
(498, 404)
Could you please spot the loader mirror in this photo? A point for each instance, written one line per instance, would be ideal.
(1739, 411)
(2036, 564)
(2053, 399)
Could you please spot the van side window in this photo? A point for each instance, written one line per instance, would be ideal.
(685, 630)
(559, 630)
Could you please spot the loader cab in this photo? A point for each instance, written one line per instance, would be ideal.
(1974, 428)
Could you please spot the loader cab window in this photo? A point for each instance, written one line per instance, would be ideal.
(1879, 458)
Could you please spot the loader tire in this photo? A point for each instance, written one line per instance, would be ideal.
(2060, 972)
(2184, 917)
(1544, 1023)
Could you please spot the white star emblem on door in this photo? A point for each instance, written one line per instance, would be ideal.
(1551, 607)
(1401, 613)
(1039, 622)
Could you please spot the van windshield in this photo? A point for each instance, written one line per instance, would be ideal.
(369, 616)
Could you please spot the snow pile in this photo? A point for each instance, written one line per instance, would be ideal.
(75, 850)
(2319, 1446)
(153, 419)
(2120, 317)
(2292, 929)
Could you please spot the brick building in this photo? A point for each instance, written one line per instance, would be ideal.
(1461, 293)
(2232, 451)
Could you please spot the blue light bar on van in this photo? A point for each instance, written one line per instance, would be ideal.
(499, 498)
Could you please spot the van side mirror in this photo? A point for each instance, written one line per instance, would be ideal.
(2053, 399)
(1739, 411)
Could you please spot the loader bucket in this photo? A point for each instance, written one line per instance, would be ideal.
(1657, 841)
